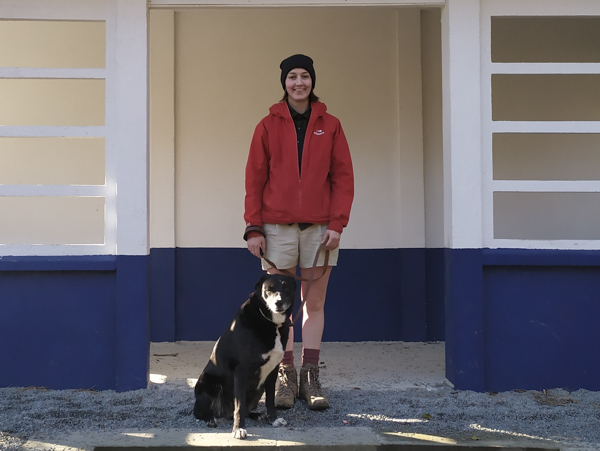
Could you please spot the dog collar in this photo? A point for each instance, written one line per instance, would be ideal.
(268, 319)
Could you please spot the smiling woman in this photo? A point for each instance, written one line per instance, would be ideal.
(299, 192)
(298, 85)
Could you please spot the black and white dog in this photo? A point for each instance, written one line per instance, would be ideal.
(244, 362)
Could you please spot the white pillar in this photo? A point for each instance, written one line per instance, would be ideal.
(462, 124)
(131, 127)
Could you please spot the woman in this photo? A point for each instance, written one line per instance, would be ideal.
(299, 191)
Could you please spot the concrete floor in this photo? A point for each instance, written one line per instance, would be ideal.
(367, 365)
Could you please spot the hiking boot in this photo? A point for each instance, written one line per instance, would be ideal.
(310, 388)
(286, 387)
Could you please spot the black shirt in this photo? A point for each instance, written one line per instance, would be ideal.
(300, 123)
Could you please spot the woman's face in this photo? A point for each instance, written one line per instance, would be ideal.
(298, 84)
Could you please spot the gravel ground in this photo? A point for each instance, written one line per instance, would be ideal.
(388, 387)
(558, 418)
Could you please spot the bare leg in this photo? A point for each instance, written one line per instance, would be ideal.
(313, 315)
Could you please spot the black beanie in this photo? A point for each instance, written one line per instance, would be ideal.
(294, 62)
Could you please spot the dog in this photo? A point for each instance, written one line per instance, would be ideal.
(245, 359)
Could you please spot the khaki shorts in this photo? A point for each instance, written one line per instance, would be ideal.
(288, 246)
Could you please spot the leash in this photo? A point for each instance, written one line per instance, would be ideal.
(308, 281)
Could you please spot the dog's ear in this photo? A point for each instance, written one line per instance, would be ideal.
(260, 281)
(291, 281)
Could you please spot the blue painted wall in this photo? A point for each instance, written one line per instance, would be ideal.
(377, 294)
(74, 322)
(511, 318)
(522, 319)
(541, 327)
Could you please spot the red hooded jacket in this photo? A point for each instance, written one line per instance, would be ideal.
(275, 192)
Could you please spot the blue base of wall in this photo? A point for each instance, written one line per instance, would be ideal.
(511, 318)
(373, 295)
(541, 327)
(74, 322)
(522, 319)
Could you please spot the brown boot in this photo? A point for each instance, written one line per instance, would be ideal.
(286, 387)
(310, 388)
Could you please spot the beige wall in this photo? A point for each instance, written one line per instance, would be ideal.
(431, 54)
(546, 156)
(52, 44)
(367, 62)
(52, 220)
(38, 160)
(547, 216)
(545, 39)
(52, 161)
(162, 129)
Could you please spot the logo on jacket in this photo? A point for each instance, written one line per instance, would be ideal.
(319, 132)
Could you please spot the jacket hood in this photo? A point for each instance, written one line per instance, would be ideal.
(281, 109)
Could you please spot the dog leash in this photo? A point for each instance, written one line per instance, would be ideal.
(308, 281)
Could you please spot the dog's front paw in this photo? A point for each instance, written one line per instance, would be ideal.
(240, 433)
(279, 422)
(212, 423)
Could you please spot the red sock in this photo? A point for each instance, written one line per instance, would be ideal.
(310, 357)
(288, 358)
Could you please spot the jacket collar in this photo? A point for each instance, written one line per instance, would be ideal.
(281, 109)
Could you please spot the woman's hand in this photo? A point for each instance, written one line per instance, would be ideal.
(331, 239)
(255, 244)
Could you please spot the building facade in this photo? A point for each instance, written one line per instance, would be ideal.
(474, 127)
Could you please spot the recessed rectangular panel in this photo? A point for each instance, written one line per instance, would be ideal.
(58, 102)
(546, 216)
(44, 43)
(546, 156)
(52, 161)
(545, 39)
(546, 97)
(52, 220)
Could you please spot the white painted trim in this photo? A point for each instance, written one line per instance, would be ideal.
(128, 103)
(461, 70)
(545, 127)
(55, 10)
(56, 190)
(541, 186)
(544, 68)
(540, 7)
(545, 244)
(126, 122)
(291, 3)
(52, 131)
(58, 10)
(111, 150)
(34, 72)
(51, 250)
(489, 127)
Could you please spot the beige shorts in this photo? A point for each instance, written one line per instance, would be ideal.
(288, 246)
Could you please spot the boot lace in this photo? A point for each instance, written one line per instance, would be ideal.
(284, 387)
(314, 384)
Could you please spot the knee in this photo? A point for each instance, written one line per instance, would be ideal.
(314, 306)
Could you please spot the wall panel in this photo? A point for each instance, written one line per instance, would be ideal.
(227, 76)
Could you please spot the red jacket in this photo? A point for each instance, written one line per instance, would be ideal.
(275, 193)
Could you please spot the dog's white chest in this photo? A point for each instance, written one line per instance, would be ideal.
(272, 359)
